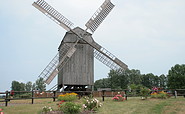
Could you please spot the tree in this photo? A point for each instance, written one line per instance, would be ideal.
(28, 86)
(22, 86)
(162, 81)
(33, 86)
(124, 79)
(40, 84)
(17, 86)
(146, 80)
(102, 83)
(150, 80)
(135, 77)
(119, 79)
(176, 77)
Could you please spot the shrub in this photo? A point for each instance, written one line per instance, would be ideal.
(118, 97)
(91, 104)
(161, 95)
(46, 109)
(144, 92)
(69, 108)
(67, 97)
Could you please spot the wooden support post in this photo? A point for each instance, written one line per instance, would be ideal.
(125, 95)
(32, 97)
(54, 95)
(103, 94)
(6, 99)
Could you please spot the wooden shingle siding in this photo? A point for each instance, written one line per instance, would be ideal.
(79, 70)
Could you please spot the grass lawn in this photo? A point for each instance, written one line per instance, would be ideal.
(134, 105)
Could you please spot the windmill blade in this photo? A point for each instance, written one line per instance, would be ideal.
(52, 69)
(109, 60)
(99, 15)
(53, 14)
(106, 57)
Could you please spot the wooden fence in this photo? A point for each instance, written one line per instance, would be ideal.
(21, 95)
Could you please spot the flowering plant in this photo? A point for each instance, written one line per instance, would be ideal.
(67, 97)
(1, 111)
(91, 104)
(118, 97)
(69, 108)
(161, 94)
(46, 109)
(144, 92)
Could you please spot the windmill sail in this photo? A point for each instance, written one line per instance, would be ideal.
(99, 15)
(53, 14)
(106, 57)
(109, 60)
(55, 65)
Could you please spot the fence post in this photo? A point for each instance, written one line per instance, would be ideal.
(54, 92)
(103, 94)
(125, 95)
(6, 99)
(32, 93)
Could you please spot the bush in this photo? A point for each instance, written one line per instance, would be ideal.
(91, 104)
(118, 97)
(161, 95)
(144, 92)
(46, 109)
(70, 108)
(68, 97)
(25, 95)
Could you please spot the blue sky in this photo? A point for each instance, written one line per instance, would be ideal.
(148, 35)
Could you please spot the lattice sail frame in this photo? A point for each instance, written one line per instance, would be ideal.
(53, 14)
(99, 15)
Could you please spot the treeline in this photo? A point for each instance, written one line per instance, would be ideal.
(29, 86)
(175, 79)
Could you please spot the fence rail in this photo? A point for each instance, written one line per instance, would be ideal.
(24, 95)
(32, 95)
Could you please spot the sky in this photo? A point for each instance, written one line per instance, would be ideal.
(148, 35)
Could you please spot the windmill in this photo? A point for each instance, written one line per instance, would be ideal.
(74, 62)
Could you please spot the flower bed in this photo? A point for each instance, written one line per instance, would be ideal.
(68, 105)
(67, 97)
(159, 94)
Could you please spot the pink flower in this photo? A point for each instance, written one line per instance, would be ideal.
(1, 109)
(115, 98)
(118, 96)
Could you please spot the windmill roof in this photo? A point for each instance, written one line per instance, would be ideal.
(70, 37)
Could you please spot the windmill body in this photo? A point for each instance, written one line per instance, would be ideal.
(78, 72)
